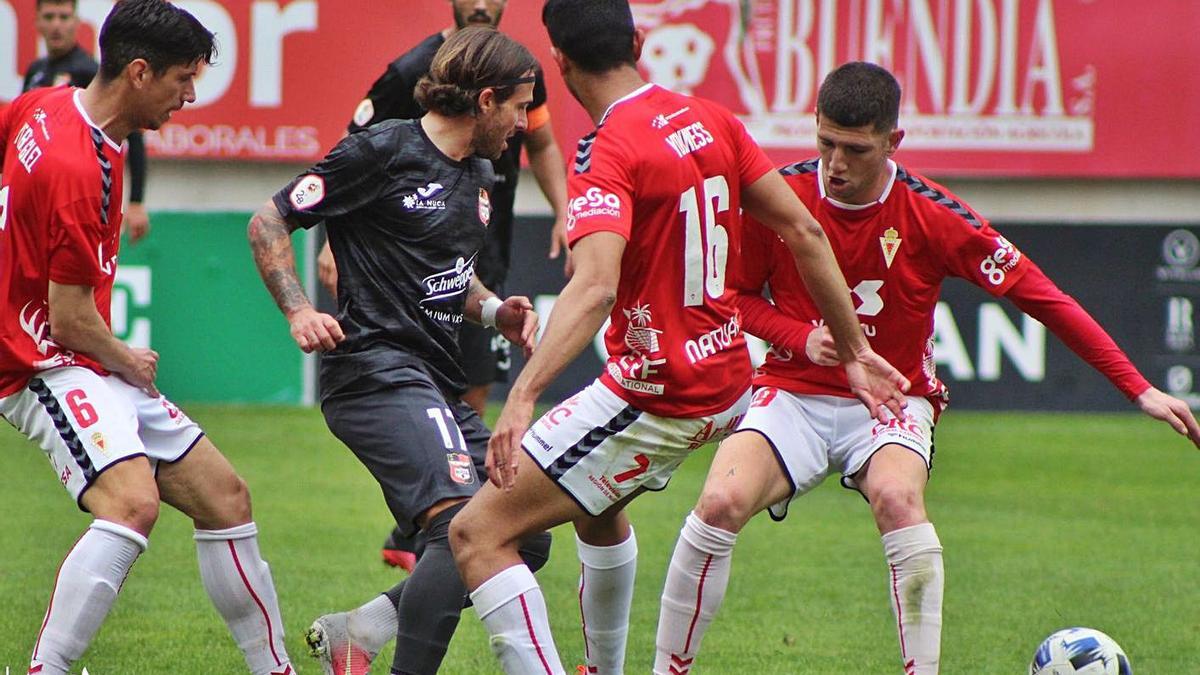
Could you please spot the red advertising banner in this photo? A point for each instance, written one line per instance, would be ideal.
(991, 87)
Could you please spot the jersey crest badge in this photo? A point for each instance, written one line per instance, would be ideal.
(461, 467)
(100, 443)
(308, 192)
(485, 207)
(889, 243)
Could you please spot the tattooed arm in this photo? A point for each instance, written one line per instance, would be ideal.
(271, 242)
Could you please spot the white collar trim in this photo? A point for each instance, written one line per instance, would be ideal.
(88, 119)
(631, 95)
(887, 190)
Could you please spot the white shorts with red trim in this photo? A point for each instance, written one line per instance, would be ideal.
(599, 449)
(813, 436)
(87, 422)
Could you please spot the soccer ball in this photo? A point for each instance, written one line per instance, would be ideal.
(1082, 651)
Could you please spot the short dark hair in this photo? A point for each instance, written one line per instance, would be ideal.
(597, 35)
(471, 60)
(74, 3)
(858, 93)
(155, 30)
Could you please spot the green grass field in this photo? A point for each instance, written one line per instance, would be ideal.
(1047, 521)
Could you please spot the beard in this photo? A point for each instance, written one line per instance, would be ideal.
(479, 17)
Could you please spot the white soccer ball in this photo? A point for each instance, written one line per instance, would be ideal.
(1082, 651)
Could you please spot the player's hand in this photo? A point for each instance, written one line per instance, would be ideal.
(314, 331)
(558, 246)
(516, 321)
(142, 370)
(1171, 410)
(327, 270)
(877, 384)
(820, 348)
(505, 443)
(136, 223)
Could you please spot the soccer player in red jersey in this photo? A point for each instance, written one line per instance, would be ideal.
(896, 235)
(69, 385)
(653, 219)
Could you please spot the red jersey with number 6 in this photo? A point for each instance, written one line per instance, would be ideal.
(917, 233)
(665, 171)
(60, 220)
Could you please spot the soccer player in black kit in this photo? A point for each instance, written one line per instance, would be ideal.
(485, 355)
(407, 205)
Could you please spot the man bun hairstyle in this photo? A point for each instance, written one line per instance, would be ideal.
(153, 30)
(471, 60)
(596, 35)
(858, 93)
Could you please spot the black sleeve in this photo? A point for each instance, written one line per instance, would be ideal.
(29, 73)
(348, 178)
(390, 97)
(539, 90)
(137, 167)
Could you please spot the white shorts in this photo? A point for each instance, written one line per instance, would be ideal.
(599, 449)
(87, 422)
(813, 436)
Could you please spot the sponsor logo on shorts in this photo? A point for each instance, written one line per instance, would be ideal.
(603, 485)
(461, 467)
(560, 412)
(540, 441)
(712, 433)
(908, 431)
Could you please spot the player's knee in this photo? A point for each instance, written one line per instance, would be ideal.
(137, 510)
(896, 505)
(725, 508)
(228, 505)
(463, 538)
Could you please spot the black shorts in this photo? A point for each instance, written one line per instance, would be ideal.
(486, 355)
(420, 446)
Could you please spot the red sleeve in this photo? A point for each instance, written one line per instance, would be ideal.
(759, 317)
(1038, 297)
(76, 244)
(600, 198)
(5, 110)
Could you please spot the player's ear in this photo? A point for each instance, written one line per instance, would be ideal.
(486, 100)
(894, 139)
(639, 39)
(139, 72)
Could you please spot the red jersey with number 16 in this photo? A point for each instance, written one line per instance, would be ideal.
(60, 220)
(665, 171)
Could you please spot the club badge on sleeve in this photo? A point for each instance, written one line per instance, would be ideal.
(308, 192)
(485, 207)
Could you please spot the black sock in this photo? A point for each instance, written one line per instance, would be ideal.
(430, 601)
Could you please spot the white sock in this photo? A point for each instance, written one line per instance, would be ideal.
(239, 582)
(915, 583)
(512, 609)
(606, 579)
(86, 586)
(692, 594)
(374, 624)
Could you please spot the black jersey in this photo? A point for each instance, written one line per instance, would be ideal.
(75, 68)
(405, 223)
(391, 97)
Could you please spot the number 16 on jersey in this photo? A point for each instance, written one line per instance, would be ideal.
(706, 242)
